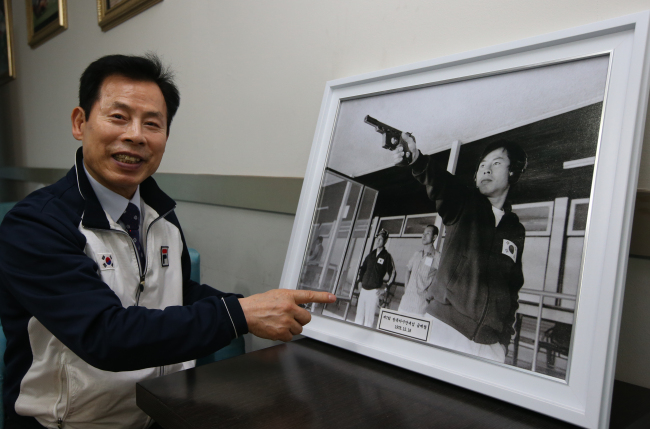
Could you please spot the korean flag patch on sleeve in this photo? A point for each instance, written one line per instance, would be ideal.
(509, 249)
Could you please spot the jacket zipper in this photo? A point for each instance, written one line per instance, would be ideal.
(487, 299)
(142, 276)
(140, 287)
(59, 420)
(146, 268)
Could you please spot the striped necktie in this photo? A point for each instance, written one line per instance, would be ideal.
(131, 220)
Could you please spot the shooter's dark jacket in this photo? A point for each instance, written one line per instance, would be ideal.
(374, 268)
(477, 286)
(79, 334)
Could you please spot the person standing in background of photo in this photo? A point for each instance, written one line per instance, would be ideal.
(375, 267)
(420, 273)
(476, 290)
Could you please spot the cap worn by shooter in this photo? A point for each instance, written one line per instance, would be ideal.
(383, 233)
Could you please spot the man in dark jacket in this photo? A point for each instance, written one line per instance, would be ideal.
(475, 295)
(95, 288)
(377, 264)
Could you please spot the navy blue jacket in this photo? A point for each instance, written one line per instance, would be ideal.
(49, 276)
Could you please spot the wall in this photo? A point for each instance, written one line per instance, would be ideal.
(252, 72)
(252, 75)
(241, 250)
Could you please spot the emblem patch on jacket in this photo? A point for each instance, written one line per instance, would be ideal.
(509, 249)
(164, 256)
(380, 261)
(105, 261)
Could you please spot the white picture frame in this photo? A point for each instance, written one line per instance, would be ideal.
(584, 398)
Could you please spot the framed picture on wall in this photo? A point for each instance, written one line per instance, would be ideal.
(472, 215)
(45, 19)
(7, 67)
(111, 13)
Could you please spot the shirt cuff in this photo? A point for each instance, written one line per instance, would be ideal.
(236, 315)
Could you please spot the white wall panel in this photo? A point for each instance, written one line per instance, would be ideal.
(252, 72)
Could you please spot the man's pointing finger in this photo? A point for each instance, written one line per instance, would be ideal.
(307, 296)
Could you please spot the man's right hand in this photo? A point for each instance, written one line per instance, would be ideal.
(398, 153)
(275, 314)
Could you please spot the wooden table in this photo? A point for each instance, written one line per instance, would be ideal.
(308, 384)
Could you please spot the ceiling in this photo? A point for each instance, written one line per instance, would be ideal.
(468, 111)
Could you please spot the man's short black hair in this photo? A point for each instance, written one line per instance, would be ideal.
(517, 156)
(147, 68)
(435, 229)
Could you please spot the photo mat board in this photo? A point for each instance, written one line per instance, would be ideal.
(545, 339)
(45, 19)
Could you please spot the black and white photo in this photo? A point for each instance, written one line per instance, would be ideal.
(497, 165)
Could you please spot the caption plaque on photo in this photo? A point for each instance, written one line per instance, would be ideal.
(396, 323)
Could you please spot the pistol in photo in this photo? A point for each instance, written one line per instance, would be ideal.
(393, 138)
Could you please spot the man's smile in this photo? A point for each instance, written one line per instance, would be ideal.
(127, 159)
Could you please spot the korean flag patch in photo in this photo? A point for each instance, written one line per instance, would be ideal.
(509, 249)
(164, 256)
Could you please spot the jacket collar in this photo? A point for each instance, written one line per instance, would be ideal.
(507, 207)
(94, 215)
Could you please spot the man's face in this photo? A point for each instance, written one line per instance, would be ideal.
(380, 241)
(125, 134)
(493, 173)
(427, 236)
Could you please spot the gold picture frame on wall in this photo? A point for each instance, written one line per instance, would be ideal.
(7, 67)
(45, 19)
(111, 13)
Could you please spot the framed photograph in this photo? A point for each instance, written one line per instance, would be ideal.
(7, 68)
(45, 19)
(472, 214)
(111, 13)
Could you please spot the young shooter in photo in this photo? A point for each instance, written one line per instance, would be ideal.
(377, 264)
(420, 274)
(476, 290)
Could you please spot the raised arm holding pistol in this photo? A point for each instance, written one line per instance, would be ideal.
(393, 139)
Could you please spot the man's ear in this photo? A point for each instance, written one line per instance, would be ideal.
(78, 118)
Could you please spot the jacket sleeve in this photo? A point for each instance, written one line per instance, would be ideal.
(442, 187)
(363, 268)
(43, 265)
